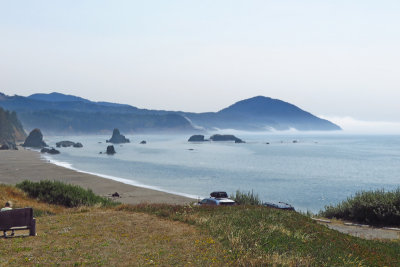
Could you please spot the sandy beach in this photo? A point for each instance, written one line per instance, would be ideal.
(16, 166)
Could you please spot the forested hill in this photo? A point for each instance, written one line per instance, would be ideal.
(57, 113)
(262, 113)
(10, 128)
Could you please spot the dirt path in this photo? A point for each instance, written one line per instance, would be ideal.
(362, 231)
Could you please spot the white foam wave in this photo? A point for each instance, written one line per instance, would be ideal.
(115, 178)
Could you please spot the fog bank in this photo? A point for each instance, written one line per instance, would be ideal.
(352, 125)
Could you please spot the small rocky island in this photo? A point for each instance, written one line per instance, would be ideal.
(197, 138)
(216, 138)
(226, 137)
(110, 150)
(52, 151)
(35, 139)
(118, 138)
(68, 144)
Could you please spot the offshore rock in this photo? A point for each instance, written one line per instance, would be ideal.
(34, 139)
(68, 144)
(65, 144)
(78, 145)
(50, 151)
(197, 138)
(117, 138)
(226, 137)
(110, 150)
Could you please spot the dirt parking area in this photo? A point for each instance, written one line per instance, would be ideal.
(362, 231)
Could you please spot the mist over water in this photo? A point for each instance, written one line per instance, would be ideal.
(354, 126)
(314, 171)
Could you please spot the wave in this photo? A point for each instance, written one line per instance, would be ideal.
(68, 165)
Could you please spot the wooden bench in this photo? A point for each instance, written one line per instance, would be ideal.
(18, 219)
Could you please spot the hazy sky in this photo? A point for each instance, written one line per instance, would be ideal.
(332, 58)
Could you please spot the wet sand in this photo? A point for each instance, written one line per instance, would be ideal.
(16, 166)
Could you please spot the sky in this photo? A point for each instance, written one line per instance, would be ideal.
(333, 58)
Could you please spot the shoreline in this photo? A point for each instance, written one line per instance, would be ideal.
(67, 165)
(24, 164)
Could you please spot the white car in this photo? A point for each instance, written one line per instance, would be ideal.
(212, 201)
(218, 198)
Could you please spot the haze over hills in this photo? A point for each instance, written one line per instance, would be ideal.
(57, 113)
(262, 113)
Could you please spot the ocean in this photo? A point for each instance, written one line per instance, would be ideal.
(309, 171)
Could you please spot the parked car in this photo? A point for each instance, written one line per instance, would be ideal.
(218, 198)
(279, 205)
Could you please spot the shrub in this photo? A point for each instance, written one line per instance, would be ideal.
(371, 207)
(62, 194)
(244, 198)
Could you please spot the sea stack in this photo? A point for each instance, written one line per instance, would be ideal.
(34, 139)
(117, 138)
(110, 150)
(50, 151)
(226, 137)
(68, 144)
(197, 138)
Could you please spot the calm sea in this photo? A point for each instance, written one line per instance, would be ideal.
(307, 171)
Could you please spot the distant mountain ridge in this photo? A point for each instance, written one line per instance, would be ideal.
(259, 114)
(58, 97)
(59, 113)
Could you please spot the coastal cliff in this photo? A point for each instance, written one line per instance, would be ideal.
(11, 130)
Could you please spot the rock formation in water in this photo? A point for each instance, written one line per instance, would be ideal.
(143, 142)
(50, 151)
(117, 138)
(110, 150)
(226, 137)
(65, 144)
(77, 145)
(34, 139)
(68, 144)
(197, 138)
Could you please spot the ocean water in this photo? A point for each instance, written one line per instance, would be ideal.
(314, 171)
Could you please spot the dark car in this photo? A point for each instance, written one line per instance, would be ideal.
(279, 205)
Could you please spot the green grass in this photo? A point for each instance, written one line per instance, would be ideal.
(246, 198)
(55, 192)
(371, 207)
(257, 235)
(244, 235)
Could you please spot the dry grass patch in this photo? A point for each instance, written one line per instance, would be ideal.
(112, 238)
(21, 200)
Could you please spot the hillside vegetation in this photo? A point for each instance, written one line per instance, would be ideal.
(169, 235)
(59, 193)
(371, 207)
